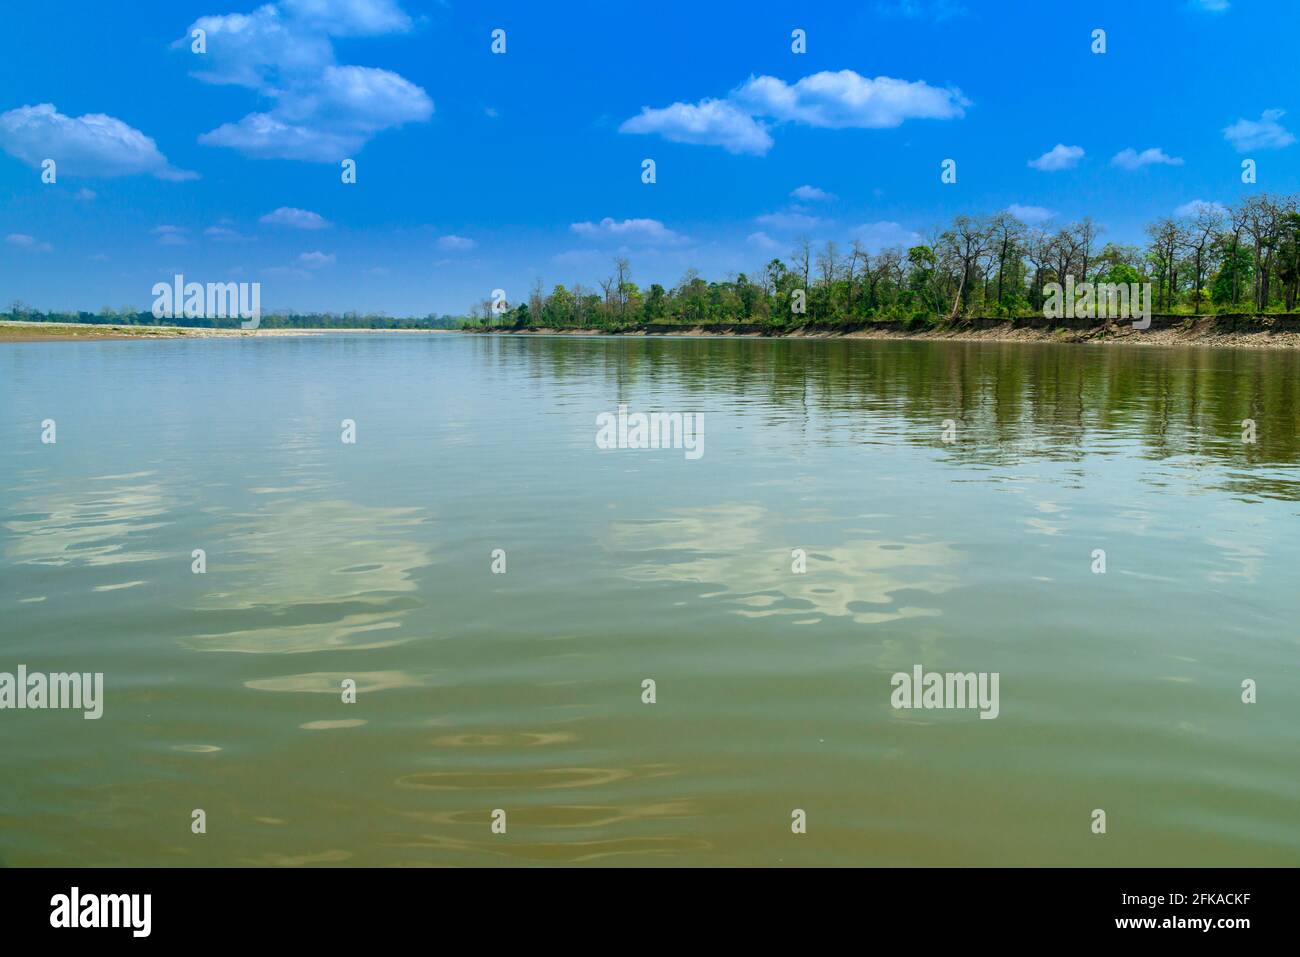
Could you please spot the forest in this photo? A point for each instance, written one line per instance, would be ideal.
(1215, 259)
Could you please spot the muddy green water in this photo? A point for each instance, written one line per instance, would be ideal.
(522, 691)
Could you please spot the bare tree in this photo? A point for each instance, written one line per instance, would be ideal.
(1196, 236)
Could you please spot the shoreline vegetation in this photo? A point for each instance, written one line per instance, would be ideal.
(1218, 275)
(1224, 331)
(1225, 275)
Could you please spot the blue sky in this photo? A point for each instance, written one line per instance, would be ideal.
(479, 171)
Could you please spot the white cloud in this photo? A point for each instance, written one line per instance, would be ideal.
(1058, 157)
(1266, 133)
(707, 123)
(456, 243)
(811, 193)
(834, 100)
(643, 231)
(171, 235)
(286, 272)
(788, 220)
(1196, 206)
(845, 99)
(1211, 6)
(322, 111)
(1030, 215)
(884, 234)
(763, 241)
(351, 17)
(85, 195)
(316, 260)
(224, 234)
(295, 218)
(89, 145)
(30, 243)
(1131, 159)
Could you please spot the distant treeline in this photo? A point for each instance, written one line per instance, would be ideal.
(1244, 258)
(270, 320)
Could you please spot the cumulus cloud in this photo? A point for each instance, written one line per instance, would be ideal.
(811, 193)
(707, 123)
(1030, 215)
(834, 100)
(642, 231)
(1058, 157)
(846, 99)
(89, 145)
(321, 111)
(1266, 133)
(1131, 159)
(456, 243)
(763, 241)
(294, 218)
(884, 234)
(29, 243)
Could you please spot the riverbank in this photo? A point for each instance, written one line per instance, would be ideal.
(1227, 331)
(73, 331)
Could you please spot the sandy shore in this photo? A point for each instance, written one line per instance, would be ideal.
(71, 331)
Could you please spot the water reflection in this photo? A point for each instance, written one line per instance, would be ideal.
(1010, 401)
(313, 576)
(741, 554)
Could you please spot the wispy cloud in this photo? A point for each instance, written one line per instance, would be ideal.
(1131, 159)
(316, 260)
(1266, 133)
(811, 194)
(224, 234)
(295, 218)
(1030, 215)
(29, 243)
(643, 231)
(169, 235)
(456, 243)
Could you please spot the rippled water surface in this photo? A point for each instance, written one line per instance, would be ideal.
(522, 691)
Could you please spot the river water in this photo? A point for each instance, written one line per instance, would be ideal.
(500, 589)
